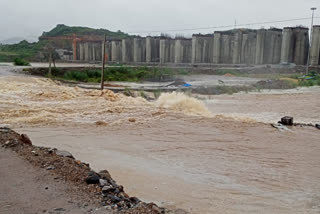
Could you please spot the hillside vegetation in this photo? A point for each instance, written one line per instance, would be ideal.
(64, 30)
(31, 51)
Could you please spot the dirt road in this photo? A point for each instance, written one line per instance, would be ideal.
(27, 189)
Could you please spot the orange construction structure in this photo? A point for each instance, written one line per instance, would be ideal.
(75, 39)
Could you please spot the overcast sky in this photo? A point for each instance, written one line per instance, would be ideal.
(29, 18)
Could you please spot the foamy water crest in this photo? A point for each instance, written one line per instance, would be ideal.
(179, 102)
(35, 101)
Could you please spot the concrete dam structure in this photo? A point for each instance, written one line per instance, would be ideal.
(239, 46)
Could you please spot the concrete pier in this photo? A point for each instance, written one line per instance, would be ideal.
(167, 48)
(139, 50)
(272, 46)
(216, 48)
(152, 49)
(116, 50)
(248, 48)
(202, 48)
(287, 45)
(127, 50)
(81, 51)
(237, 45)
(295, 43)
(87, 53)
(226, 50)
(301, 45)
(182, 51)
(108, 50)
(261, 34)
(315, 46)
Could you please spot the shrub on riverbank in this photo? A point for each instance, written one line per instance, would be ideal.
(21, 62)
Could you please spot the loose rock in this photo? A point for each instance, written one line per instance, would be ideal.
(64, 154)
(25, 139)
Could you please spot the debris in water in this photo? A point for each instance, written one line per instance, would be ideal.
(132, 120)
(288, 121)
(281, 127)
(101, 123)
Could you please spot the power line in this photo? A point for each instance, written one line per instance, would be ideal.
(223, 26)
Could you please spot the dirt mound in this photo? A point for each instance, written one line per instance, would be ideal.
(99, 187)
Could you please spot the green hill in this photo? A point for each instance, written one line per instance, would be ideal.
(64, 30)
(32, 51)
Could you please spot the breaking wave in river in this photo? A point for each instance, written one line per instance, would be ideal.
(179, 102)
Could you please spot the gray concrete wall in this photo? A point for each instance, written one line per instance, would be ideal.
(315, 46)
(152, 49)
(139, 50)
(116, 51)
(127, 50)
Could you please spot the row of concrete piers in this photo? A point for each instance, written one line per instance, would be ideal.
(240, 46)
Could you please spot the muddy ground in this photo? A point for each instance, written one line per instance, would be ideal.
(230, 160)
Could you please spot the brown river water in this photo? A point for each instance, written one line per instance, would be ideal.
(218, 155)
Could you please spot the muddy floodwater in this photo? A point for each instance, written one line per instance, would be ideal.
(216, 155)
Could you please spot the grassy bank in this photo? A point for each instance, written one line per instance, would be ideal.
(121, 73)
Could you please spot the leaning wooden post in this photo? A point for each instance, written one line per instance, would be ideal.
(103, 61)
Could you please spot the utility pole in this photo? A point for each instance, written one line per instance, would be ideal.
(103, 61)
(311, 30)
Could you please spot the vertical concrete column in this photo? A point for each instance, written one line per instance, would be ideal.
(277, 47)
(139, 50)
(272, 46)
(108, 50)
(81, 47)
(167, 50)
(116, 51)
(261, 34)
(287, 45)
(148, 50)
(315, 46)
(86, 52)
(127, 50)
(237, 39)
(178, 51)
(94, 52)
(162, 51)
(301, 45)
(216, 48)
(226, 48)
(197, 49)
